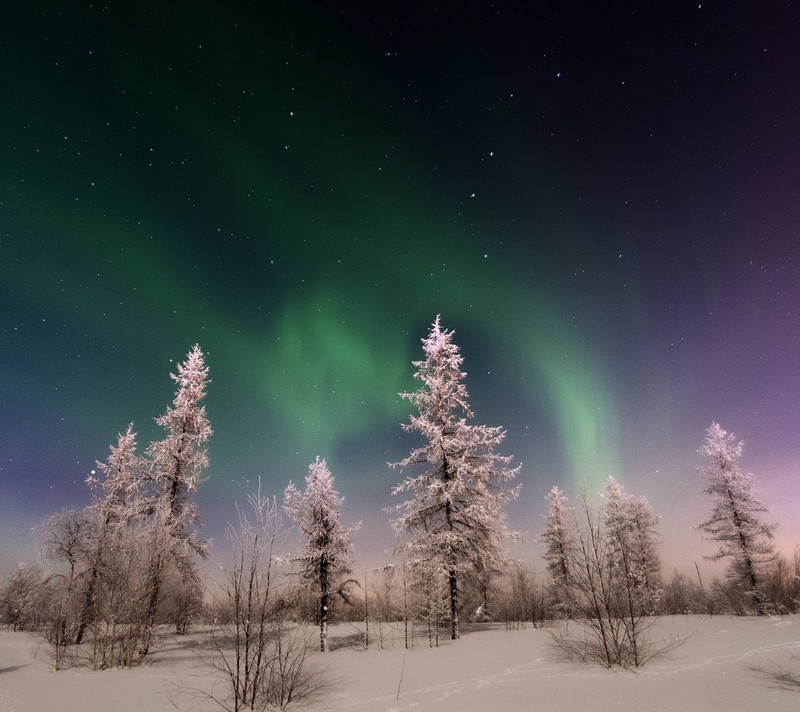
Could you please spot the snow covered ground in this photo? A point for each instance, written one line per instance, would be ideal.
(730, 664)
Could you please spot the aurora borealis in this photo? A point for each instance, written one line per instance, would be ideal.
(601, 203)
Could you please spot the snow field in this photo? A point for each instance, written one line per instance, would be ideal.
(723, 664)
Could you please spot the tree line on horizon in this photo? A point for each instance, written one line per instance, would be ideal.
(129, 561)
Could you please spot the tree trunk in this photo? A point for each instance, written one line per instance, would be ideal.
(455, 633)
(324, 601)
(154, 584)
(87, 612)
(744, 545)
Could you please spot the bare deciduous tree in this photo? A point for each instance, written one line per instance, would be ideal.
(519, 603)
(607, 595)
(263, 657)
(25, 599)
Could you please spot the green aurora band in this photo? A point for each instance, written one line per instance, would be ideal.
(349, 255)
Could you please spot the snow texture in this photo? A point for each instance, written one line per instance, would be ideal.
(725, 664)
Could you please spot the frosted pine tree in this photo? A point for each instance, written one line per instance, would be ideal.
(454, 519)
(325, 557)
(559, 541)
(176, 466)
(634, 562)
(120, 487)
(644, 543)
(617, 527)
(117, 507)
(179, 459)
(735, 520)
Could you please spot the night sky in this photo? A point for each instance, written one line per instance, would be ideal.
(604, 204)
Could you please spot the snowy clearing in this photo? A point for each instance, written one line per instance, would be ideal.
(731, 664)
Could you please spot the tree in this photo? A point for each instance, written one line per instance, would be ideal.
(559, 554)
(682, 596)
(519, 601)
(24, 599)
(781, 584)
(381, 602)
(177, 461)
(249, 587)
(607, 593)
(176, 466)
(455, 516)
(111, 517)
(645, 554)
(65, 538)
(626, 526)
(133, 546)
(735, 520)
(429, 601)
(603, 562)
(324, 559)
(629, 526)
(95, 544)
(120, 487)
(263, 658)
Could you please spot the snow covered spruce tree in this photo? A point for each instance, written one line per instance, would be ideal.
(735, 520)
(325, 557)
(559, 541)
(176, 466)
(454, 518)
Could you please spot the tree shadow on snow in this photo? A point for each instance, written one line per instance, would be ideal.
(11, 668)
(352, 641)
(781, 678)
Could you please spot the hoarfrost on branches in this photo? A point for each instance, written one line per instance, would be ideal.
(735, 521)
(177, 461)
(325, 558)
(454, 517)
(559, 542)
(176, 466)
(629, 528)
